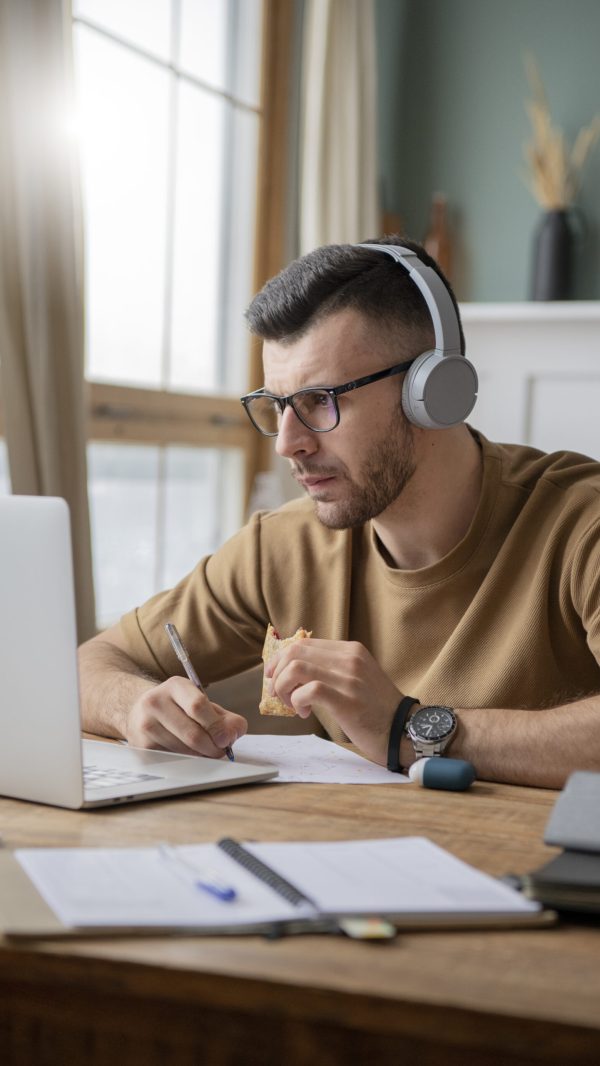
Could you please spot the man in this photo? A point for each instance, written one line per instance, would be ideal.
(427, 563)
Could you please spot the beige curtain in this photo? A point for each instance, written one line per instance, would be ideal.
(41, 301)
(338, 188)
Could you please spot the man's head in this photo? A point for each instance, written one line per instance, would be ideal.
(346, 276)
(340, 314)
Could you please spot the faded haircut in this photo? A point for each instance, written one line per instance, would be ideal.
(337, 277)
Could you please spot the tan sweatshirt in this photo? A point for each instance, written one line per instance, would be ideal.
(509, 618)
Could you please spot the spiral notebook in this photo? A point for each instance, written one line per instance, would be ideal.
(227, 887)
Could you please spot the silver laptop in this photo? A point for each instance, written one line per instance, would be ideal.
(42, 755)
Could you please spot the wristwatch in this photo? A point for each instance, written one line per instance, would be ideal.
(431, 729)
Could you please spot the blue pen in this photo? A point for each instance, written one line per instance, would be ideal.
(204, 878)
(182, 654)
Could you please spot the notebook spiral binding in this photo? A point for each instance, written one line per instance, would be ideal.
(263, 872)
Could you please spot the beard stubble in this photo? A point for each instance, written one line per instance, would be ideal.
(385, 472)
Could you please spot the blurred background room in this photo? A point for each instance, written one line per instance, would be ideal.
(160, 159)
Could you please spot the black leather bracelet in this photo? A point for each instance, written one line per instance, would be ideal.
(396, 731)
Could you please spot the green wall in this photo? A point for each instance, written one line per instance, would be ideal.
(452, 87)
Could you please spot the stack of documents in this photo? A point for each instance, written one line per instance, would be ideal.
(571, 881)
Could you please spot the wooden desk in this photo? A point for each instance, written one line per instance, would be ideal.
(518, 997)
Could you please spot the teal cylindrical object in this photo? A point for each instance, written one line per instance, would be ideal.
(454, 775)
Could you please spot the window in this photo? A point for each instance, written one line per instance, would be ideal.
(169, 120)
(158, 510)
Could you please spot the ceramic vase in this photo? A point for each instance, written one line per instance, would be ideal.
(552, 261)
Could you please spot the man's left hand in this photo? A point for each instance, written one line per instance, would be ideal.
(343, 679)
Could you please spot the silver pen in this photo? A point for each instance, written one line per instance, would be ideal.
(183, 655)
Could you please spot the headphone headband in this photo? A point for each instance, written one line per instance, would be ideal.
(440, 387)
(436, 295)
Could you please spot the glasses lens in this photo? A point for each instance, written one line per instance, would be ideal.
(316, 408)
(265, 414)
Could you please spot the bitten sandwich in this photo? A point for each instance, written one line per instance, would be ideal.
(273, 642)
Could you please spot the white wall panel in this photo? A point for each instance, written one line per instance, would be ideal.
(539, 370)
(565, 409)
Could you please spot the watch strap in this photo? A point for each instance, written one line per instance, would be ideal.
(396, 731)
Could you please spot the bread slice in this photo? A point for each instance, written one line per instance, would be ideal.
(273, 642)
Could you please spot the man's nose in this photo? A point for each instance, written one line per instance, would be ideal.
(294, 436)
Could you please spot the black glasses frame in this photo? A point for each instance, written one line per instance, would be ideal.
(333, 391)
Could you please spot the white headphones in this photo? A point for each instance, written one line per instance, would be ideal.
(440, 388)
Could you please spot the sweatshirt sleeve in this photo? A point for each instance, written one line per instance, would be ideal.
(218, 609)
(585, 585)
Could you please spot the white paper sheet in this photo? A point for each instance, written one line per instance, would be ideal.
(310, 758)
(95, 887)
(133, 887)
(402, 875)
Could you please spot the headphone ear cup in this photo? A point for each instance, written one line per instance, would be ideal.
(439, 391)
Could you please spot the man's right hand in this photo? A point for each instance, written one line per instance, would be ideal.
(118, 700)
(176, 716)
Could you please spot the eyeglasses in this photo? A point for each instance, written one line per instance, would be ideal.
(317, 408)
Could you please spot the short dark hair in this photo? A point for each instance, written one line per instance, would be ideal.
(341, 276)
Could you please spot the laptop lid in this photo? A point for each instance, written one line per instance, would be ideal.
(40, 752)
(40, 726)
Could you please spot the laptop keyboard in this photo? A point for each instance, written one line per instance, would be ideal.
(110, 777)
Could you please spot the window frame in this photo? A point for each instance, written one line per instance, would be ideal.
(127, 414)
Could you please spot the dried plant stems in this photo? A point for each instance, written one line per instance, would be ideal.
(554, 172)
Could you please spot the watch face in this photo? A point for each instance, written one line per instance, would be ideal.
(433, 723)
